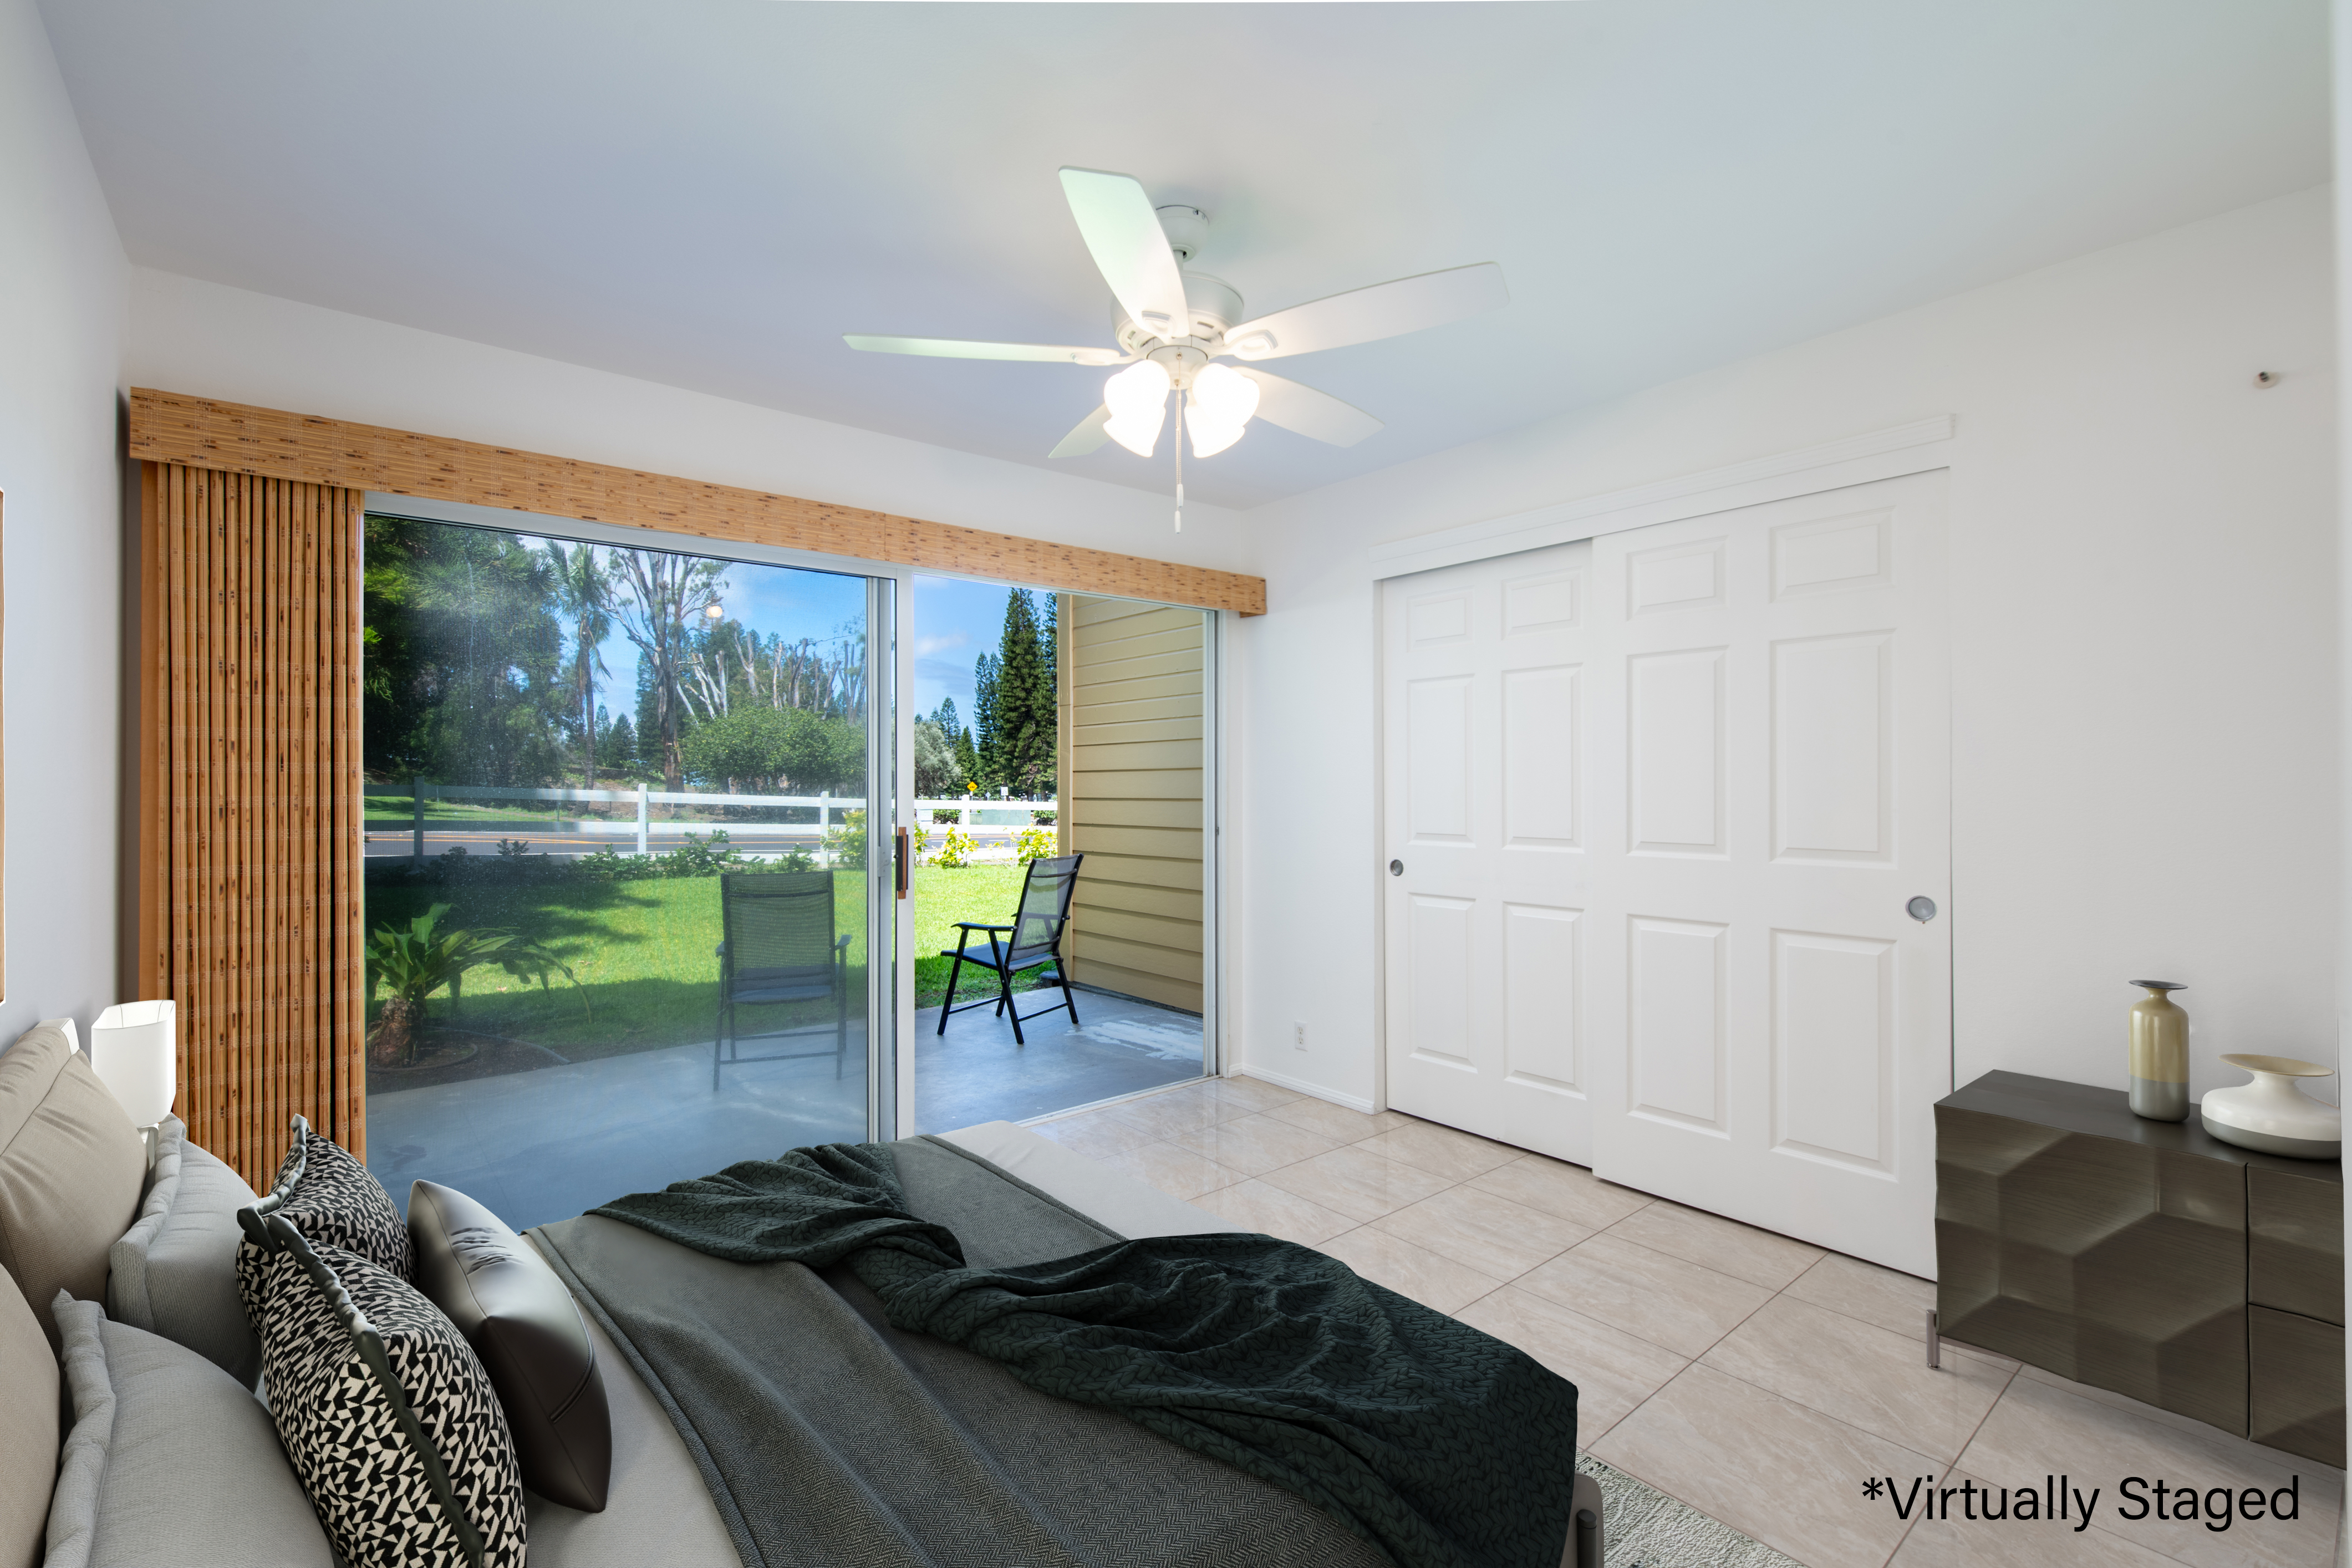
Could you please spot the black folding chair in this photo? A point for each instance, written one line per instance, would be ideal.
(1036, 940)
(779, 947)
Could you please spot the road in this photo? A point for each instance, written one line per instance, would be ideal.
(391, 843)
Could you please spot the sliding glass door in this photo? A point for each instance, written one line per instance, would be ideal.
(631, 905)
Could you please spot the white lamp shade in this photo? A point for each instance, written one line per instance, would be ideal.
(1221, 403)
(134, 1047)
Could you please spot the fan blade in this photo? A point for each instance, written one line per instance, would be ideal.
(966, 348)
(1088, 436)
(1367, 315)
(1307, 411)
(1123, 233)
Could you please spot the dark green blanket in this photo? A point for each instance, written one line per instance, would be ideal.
(1445, 1447)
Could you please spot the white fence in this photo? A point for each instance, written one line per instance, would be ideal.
(832, 810)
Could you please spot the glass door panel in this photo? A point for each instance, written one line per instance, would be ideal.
(627, 854)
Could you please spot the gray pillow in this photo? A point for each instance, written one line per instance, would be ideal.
(169, 1461)
(174, 1272)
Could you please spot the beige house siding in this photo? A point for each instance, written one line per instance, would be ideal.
(1131, 688)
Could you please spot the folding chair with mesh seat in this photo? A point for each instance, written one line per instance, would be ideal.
(1037, 940)
(779, 946)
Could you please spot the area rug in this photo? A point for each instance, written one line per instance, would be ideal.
(1647, 1529)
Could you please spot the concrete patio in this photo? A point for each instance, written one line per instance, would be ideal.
(547, 1144)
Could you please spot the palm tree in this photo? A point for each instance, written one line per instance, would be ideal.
(583, 595)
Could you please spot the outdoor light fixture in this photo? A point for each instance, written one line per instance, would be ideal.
(1221, 401)
(1138, 400)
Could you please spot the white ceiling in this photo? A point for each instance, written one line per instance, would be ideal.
(708, 193)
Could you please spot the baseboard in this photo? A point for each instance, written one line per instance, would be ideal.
(1300, 1086)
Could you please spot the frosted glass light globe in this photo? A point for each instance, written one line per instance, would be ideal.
(1138, 400)
(1223, 400)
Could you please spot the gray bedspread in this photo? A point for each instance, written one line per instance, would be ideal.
(829, 1438)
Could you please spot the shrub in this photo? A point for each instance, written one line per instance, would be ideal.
(957, 850)
(845, 845)
(947, 817)
(1034, 844)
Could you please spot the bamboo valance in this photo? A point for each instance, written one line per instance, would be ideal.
(231, 438)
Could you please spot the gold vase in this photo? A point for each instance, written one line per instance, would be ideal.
(2160, 1054)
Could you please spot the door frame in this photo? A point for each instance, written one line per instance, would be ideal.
(1917, 447)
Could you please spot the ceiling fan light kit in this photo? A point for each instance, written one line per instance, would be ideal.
(1171, 325)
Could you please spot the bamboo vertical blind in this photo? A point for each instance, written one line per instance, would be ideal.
(250, 864)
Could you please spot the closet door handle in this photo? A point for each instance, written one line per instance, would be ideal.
(1396, 867)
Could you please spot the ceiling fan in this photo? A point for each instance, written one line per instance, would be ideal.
(1172, 325)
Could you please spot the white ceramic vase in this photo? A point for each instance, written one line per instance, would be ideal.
(2272, 1115)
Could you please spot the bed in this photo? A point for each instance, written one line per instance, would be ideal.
(872, 1444)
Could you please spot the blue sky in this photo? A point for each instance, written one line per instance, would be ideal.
(954, 622)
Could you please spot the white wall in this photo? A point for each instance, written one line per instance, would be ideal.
(216, 342)
(2145, 682)
(61, 279)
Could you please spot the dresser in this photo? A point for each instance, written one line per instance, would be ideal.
(2147, 1257)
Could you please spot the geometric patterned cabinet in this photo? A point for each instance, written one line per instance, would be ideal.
(2147, 1257)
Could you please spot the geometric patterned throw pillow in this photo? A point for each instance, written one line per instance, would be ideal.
(335, 1201)
(385, 1411)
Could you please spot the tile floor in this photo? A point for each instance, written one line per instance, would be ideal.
(1757, 1378)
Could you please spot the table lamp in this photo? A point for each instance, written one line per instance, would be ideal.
(134, 1049)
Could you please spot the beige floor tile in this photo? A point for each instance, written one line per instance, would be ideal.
(1723, 1244)
(1962, 1542)
(1095, 1133)
(1893, 1300)
(1666, 1301)
(1357, 1183)
(2036, 1428)
(1336, 1122)
(1614, 1372)
(1179, 1172)
(1441, 1150)
(1868, 1377)
(1788, 1475)
(1255, 1145)
(1168, 1112)
(1438, 1283)
(1488, 1232)
(1557, 1187)
(1252, 1094)
(1256, 1206)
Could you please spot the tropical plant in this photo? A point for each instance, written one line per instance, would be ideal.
(920, 842)
(957, 850)
(1034, 844)
(415, 961)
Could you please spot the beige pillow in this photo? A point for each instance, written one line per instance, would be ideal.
(71, 1166)
(29, 1433)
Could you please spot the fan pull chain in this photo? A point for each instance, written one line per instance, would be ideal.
(1180, 462)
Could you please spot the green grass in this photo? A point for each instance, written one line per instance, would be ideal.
(643, 952)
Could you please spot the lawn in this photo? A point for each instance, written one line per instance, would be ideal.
(644, 952)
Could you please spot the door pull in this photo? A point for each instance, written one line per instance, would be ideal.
(898, 865)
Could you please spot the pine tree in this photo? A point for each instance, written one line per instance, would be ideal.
(984, 724)
(1023, 701)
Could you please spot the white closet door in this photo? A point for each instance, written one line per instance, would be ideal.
(1485, 692)
(1769, 1027)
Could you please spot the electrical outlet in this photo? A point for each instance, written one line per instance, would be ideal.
(1298, 1036)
